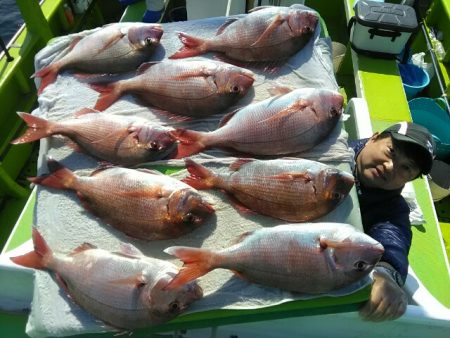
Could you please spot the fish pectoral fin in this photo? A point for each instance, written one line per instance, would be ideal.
(277, 21)
(303, 176)
(138, 281)
(202, 72)
(81, 248)
(329, 243)
(225, 25)
(291, 109)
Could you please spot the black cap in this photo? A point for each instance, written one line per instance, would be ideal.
(418, 135)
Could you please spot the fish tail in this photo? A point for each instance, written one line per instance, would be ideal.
(109, 94)
(59, 178)
(197, 262)
(48, 75)
(37, 259)
(190, 142)
(192, 46)
(200, 176)
(37, 128)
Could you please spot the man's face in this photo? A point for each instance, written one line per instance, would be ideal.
(381, 165)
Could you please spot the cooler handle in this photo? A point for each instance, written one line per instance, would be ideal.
(381, 32)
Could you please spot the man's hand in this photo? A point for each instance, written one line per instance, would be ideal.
(387, 299)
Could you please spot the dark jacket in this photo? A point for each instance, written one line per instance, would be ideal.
(385, 217)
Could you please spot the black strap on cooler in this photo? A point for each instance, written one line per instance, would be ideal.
(384, 33)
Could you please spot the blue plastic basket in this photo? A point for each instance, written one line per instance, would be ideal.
(429, 113)
(414, 79)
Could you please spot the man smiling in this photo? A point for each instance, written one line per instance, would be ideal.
(384, 163)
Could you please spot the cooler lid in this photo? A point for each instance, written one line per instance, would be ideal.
(386, 15)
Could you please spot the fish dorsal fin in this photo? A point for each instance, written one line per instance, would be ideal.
(294, 107)
(82, 247)
(103, 165)
(259, 8)
(85, 111)
(227, 117)
(138, 281)
(236, 165)
(225, 25)
(129, 249)
(279, 89)
(242, 237)
(145, 66)
(277, 21)
(150, 171)
(114, 38)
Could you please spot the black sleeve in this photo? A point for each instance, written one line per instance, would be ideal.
(388, 223)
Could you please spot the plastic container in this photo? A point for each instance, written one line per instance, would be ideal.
(414, 79)
(154, 12)
(439, 180)
(429, 113)
(381, 29)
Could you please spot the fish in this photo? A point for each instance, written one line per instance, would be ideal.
(308, 258)
(284, 124)
(114, 48)
(124, 289)
(118, 139)
(141, 203)
(194, 88)
(293, 190)
(265, 34)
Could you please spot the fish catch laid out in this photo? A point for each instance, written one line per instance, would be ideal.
(118, 139)
(265, 34)
(194, 88)
(124, 289)
(284, 124)
(114, 48)
(311, 258)
(141, 203)
(293, 190)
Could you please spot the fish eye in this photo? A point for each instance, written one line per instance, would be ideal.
(307, 29)
(148, 41)
(333, 111)
(153, 145)
(188, 218)
(174, 307)
(235, 89)
(360, 265)
(336, 196)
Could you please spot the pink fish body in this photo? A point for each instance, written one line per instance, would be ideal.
(311, 258)
(141, 203)
(112, 49)
(286, 124)
(117, 139)
(293, 190)
(187, 87)
(266, 34)
(124, 289)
